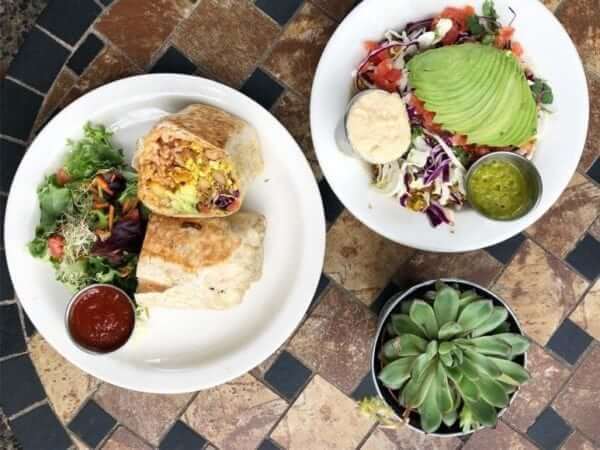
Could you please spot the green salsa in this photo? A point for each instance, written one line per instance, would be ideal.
(499, 190)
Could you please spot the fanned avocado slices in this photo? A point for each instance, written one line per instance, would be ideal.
(478, 91)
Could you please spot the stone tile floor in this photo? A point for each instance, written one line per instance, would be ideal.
(299, 398)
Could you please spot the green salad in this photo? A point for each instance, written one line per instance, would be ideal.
(91, 225)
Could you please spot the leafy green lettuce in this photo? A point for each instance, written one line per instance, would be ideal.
(92, 153)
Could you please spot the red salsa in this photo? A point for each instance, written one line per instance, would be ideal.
(101, 319)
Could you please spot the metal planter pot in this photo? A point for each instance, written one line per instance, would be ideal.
(393, 306)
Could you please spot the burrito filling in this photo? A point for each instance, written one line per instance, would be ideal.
(187, 176)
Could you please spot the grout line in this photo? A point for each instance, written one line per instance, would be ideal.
(56, 38)
(29, 409)
(22, 84)
(179, 416)
(13, 356)
(13, 140)
(368, 435)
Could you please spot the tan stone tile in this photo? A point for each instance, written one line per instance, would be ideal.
(561, 227)
(547, 377)
(577, 442)
(541, 289)
(322, 418)
(578, 402)
(587, 313)
(148, 415)
(63, 83)
(295, 57)
(582, 22)
(595, 229)
(226, 37)
(237, 415)
(123, 439)
(407, 439)
(139, 27)
(501, 437)
(108, 66)
(292, 111)
(344, 330)
(479, 267)
(592, 145)
(336, 8)
(361, 260)
(67, 386)
(551, 4)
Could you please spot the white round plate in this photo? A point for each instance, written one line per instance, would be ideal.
(179, 350)
(553, 56)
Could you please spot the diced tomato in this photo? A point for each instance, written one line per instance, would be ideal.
(459, 139)
(56, 246)
(460, 19)
(427, 116)
(386, 76)
(62, 177)
(504, 36)
(516, 48)
(371, 45)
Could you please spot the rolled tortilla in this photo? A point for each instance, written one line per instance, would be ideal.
(198, 162)
(200, 263)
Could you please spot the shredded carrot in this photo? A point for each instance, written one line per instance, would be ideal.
(111, 217)
(104, 185)
(129, 204)
(100, 204)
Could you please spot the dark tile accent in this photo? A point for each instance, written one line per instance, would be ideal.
(333, 207)
(549, 430)
(585, 257)
(173, 61)
(6, 288)
(366, 388)
(287, 375)
(69, 19)
(11, 332)
(569, 341)
(262, 88)
(39, 60)
(280, 10)
(594, 172)
(40, 429)
(20, 386)
(92, 424)
(378, 304)
(85, 54)
(3, 200)
(11, 154)
(182, 437)
(106, 2)
(504, 251)
(323, 283)
(18, 109)
(268, 444)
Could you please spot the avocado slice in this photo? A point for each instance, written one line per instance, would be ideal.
(476, 90)
(464, 96)
(466, 116)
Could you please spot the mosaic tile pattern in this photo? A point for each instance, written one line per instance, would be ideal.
(304, 396)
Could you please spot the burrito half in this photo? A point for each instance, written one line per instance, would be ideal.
(200, 263)
(198, 162)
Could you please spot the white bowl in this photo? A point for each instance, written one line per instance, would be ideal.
(548, 49)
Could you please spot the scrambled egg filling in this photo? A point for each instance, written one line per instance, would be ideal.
(195, 178)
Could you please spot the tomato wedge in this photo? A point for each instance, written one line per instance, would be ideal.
(427, 116)
(56, 246)
(460, 20)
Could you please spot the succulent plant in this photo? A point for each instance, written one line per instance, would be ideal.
(450, 357)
